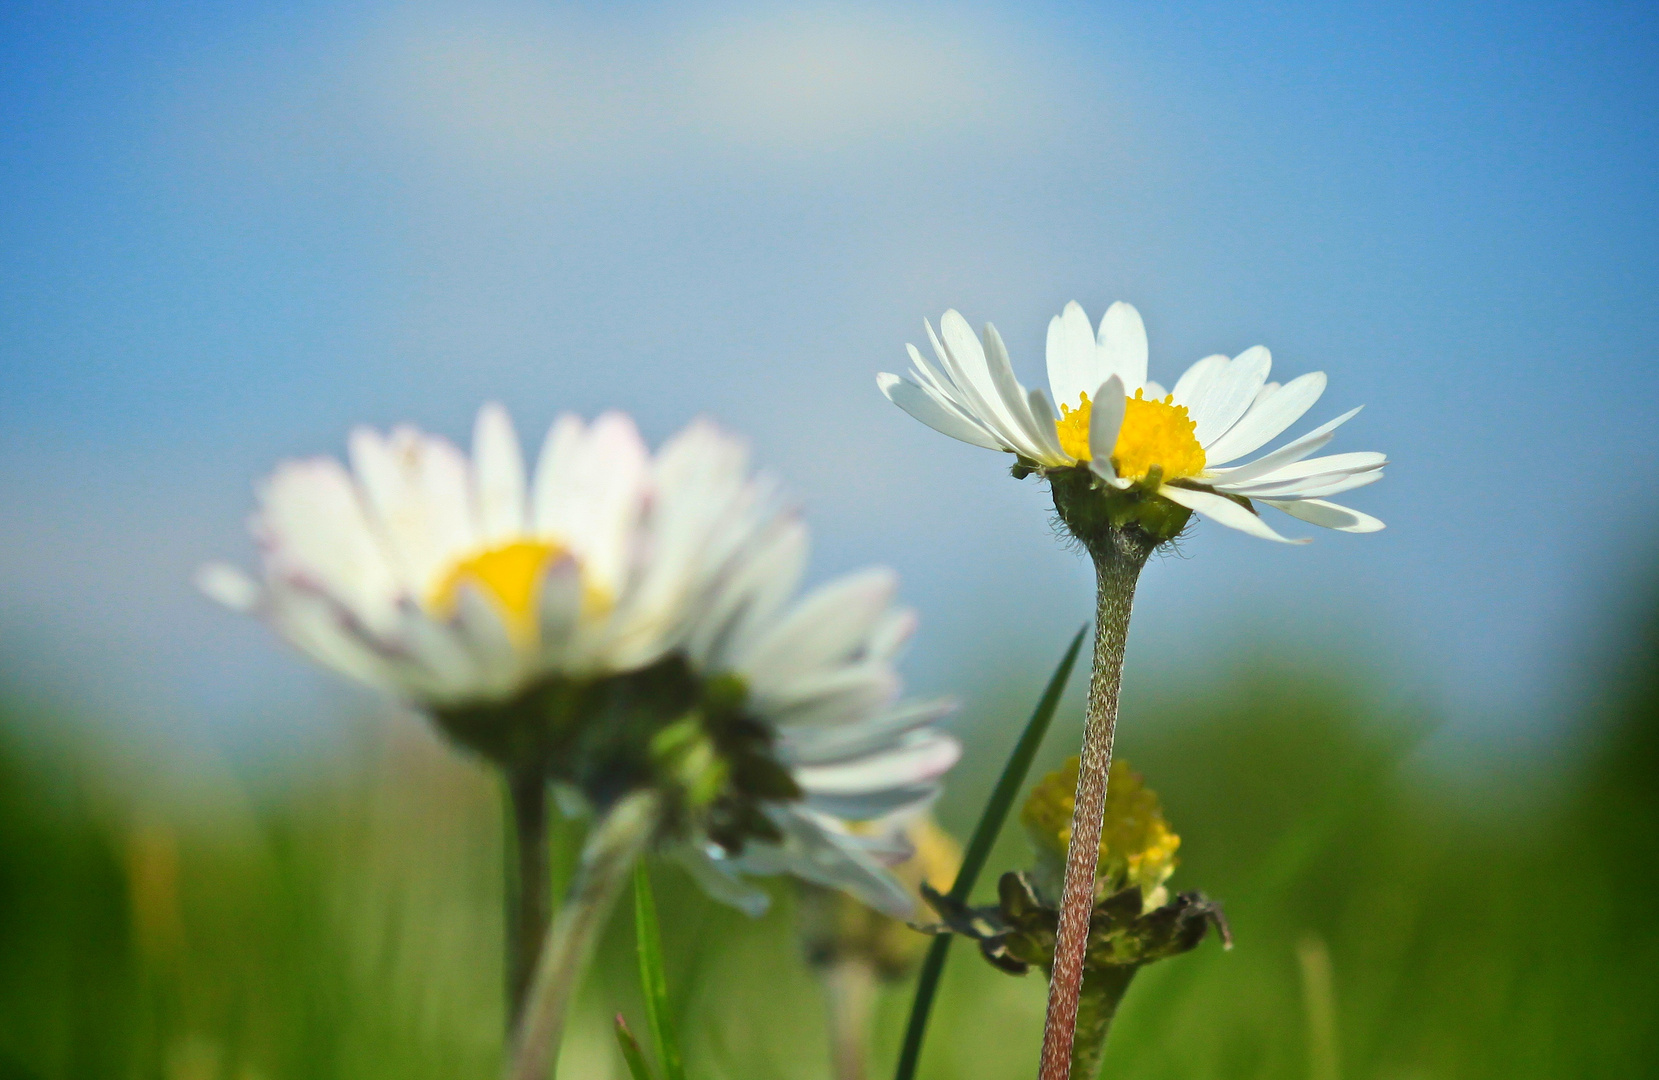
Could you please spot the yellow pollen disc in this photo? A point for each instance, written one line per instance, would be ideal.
(1137, 846)
(1073, 429)
(510, 575)
(1153, 433)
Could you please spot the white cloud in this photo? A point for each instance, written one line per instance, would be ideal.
(519, 88)
(830, 78)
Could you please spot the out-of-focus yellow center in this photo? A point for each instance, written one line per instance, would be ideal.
(1153, 433)
(510, 575)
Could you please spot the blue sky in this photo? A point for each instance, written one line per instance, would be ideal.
(228, 233)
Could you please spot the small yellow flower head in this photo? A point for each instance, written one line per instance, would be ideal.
(836, 927)
(1155, 432)
(1136, 844)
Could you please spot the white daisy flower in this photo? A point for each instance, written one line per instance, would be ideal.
(442, 580)
(1132, 433)
(617, 621)
(813, 686)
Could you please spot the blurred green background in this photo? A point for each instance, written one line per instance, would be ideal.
(338, 915)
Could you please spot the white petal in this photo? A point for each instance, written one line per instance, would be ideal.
(973, 373)
(925, 755)
(868, 806)
(418, 488)
(559, 613)
(1330, 465)
(1329, 515)
(1105, 421)
(559, 453)
(313, 622)
(1295, 450)
(229, 586)
(721, 883)
(312, 523)
(1074, 362)
(1014, 398)
(1123, 345)
(1153, 390)
(1195, 381)
(480, 628)
(939, 385)
(592, 497)
(498, 476)
(1320, 485)
(825, 745)
(703, 507)
(1044, 416)
(818, 849)
(916, 401)
(745, 602)
(848, 694)
(828, 626)
(1219, 404)
(1223, 510)
(1268, 416)
(891, 635)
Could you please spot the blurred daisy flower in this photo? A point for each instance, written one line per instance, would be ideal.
(1158, 455)
(616, 622)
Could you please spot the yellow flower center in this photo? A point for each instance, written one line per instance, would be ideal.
(511, 576)
(1153, 433)
(1136, 844)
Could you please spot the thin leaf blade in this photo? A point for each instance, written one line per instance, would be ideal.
(648, 941)
(979, 850)
(631, 1053)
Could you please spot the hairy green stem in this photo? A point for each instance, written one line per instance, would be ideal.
(615, 841)
(1119, 554)
(529, 886)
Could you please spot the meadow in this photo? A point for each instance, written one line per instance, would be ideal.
(338, 915)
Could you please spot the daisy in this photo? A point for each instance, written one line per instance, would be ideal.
(616, 621)
(1128, 463)
(444, 580)
(1134, 436)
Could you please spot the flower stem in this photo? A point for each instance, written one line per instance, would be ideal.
(1119, 554)
(529, 886)
(851, 987)
(615, 841)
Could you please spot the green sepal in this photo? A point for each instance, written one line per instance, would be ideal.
(1020, 931)
(1091, 508)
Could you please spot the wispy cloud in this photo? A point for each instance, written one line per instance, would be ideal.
(517, 89)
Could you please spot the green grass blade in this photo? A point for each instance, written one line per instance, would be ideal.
(637, 1068)
(651, 978)
(979, 849)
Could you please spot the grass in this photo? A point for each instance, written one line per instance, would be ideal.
(343, 920)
